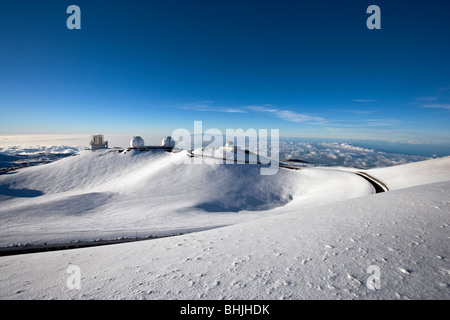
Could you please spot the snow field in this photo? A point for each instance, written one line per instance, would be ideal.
(320, 244)
(115, 194)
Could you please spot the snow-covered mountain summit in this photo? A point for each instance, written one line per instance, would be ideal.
(320, 232)
(108, 193)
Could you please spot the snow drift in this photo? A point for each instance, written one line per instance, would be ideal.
(321, 251)
(109, 193)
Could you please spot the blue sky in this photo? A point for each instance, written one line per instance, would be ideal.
(308, 68)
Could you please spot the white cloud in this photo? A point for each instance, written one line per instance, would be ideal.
(437, 106)
(208, 106)
(380, 122)
(342, 154)
(361, 123)
(232, 110)
(359, 111)
(287, 115)
(364, 100)
(332, 156)
(39, 150)
(429, 99)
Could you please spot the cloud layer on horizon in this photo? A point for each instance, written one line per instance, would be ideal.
(343, 154)
(317, 153)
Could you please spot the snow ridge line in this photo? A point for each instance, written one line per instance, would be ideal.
(377, 184)
(10, 251)
(235, 160)
(36, 248)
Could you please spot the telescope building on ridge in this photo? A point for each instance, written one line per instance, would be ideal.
(98, 142)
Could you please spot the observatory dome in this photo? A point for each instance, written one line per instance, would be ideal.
(168, 142)
(137, 142)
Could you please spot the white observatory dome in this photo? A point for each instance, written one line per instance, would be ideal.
(137, 142)
(229, 144)
(168, 142)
